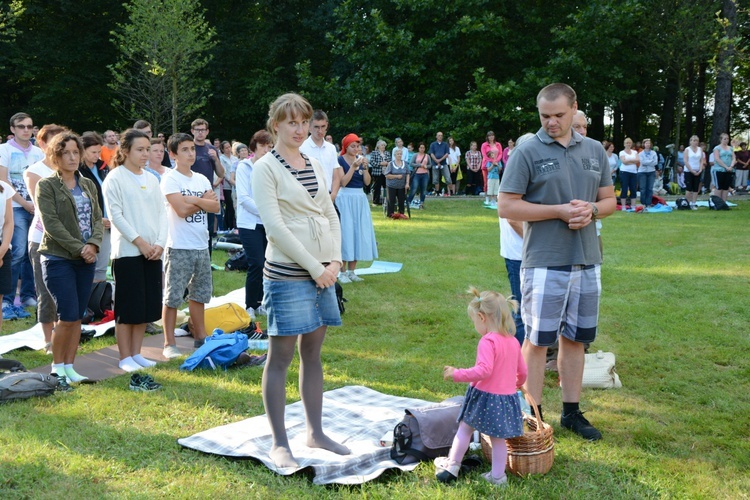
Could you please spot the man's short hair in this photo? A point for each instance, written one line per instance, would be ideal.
(198, 122)
(554, 90)
(17, 118)
(176, 139)
(319, 115)
(141, 124)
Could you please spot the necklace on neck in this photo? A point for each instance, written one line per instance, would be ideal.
(139, 179)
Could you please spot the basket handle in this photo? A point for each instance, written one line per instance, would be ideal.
(534, 408)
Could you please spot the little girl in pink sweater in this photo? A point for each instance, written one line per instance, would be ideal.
(491, 405)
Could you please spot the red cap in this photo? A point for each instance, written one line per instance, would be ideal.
(347, 141)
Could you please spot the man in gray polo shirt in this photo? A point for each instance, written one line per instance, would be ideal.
(559, 183)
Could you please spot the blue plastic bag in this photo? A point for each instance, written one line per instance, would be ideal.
(220, 350)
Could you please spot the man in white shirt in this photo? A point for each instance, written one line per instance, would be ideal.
(317, 147)
(15, 157)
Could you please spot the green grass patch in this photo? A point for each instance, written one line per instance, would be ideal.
(673, 310)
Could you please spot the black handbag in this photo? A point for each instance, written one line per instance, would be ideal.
(426, 433)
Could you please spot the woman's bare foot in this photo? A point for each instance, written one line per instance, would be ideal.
(283, 457)
(326, 443)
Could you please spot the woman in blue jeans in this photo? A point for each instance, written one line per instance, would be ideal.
(647, 173)
(420, 163)
(72, 219)
(252, 232)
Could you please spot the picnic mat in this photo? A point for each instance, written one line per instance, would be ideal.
(33, 338)
(380, 267)
(355, 416)
(701, 203)
(105, 363)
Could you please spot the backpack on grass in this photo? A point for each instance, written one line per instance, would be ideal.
(20, 384)
(100, 299)
(716, 203)
(237, 262)
(220, 350)
(426, 433)
(682, 204)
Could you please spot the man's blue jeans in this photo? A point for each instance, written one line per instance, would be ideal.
(514, 276)
(21, 265)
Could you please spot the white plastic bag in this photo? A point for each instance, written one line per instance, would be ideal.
(599, 371)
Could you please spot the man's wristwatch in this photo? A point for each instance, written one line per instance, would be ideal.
(594, 211)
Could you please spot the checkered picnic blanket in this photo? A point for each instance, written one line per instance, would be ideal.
(353, 415)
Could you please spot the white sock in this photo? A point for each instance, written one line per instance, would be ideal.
(59, 369)
(129, 365)
(72, 375)
(146, 363)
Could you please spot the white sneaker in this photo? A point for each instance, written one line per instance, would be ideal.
(171, 352)
(251, 312)
(261, 311)
(344, 278)
(353, 277)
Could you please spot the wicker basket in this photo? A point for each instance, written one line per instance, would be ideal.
(532, 453)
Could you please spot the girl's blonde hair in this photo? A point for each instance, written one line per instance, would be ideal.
(496, 308)
(287, 106)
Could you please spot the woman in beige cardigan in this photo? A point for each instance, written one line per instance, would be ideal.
(303, 259)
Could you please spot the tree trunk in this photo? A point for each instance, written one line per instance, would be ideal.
(668, 112)
(689, 97)
(617, 137)
(630, 124)
(596, 129)
(678, 124)
(700, 102)
(723, 97)
(174, 104)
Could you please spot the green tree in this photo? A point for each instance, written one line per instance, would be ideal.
(163, 47)
(410, 68)
(9, 14)
(55, 69)
(258, 47)
(724, 69)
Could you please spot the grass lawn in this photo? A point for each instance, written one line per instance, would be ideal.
(673, 310)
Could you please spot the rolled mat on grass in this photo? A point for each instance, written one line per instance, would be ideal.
(380, 267)
(33, 338)
(354, 416)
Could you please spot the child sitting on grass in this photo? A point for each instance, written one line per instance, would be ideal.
(659, 184)
(491, 404)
